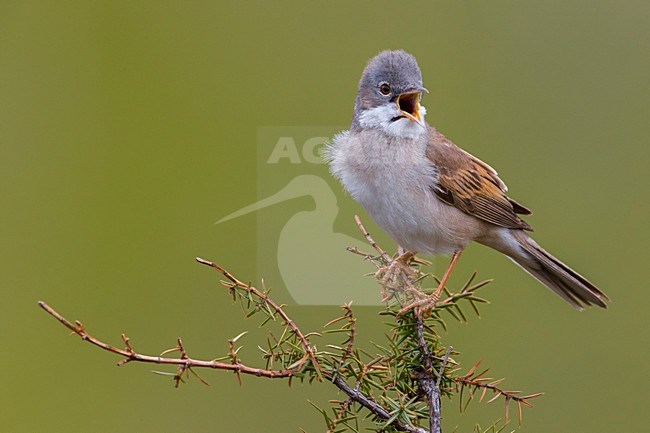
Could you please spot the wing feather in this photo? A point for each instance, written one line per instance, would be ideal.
(472, 186)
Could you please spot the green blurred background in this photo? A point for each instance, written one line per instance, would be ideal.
(128, 128)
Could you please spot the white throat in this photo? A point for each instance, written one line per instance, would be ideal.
(382, 117)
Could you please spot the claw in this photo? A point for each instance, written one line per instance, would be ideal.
(424, 306)
(398, 268)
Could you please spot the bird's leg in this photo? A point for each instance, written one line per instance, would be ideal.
(436, 295)
(423, 307)
(391, 272)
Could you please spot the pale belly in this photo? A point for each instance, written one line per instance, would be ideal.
(392, 181)
(417, 221)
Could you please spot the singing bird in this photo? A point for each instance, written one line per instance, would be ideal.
(429, 195)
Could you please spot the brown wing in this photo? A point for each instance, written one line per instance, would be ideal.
(471, 185)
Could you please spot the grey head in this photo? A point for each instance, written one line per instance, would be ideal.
(389, 95)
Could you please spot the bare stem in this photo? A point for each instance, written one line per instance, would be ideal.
(426, 379)
(375, 408)
(130, 355)
(371, 241)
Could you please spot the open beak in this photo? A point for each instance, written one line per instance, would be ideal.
(409, 105)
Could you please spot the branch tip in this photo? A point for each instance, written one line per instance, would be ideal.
(204, 262)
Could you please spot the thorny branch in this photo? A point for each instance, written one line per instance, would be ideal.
(475, 381)
(235, 283)
(185, 362)
(399, 389)
(372, 406)
(426, 378)
(429, 385)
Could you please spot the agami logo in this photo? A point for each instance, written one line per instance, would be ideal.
(298, 204)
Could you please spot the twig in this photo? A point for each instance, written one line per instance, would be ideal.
(351, 328)
(346, 404)
(343, 410)
(371, 241)
(426, 381)
(443, 365)
(186, 362)
(477, 381)
(376, 409)
(277, 308)
(367, 257)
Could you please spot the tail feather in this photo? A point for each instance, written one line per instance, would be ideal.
(570, 285)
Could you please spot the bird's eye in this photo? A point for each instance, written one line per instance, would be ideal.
(384, 88)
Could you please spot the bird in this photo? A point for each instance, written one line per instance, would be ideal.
(428, 194)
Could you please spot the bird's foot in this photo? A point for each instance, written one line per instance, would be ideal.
(425, 304)
(399, 270)
(422, 304)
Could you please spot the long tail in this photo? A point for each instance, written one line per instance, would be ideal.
(570, 285)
